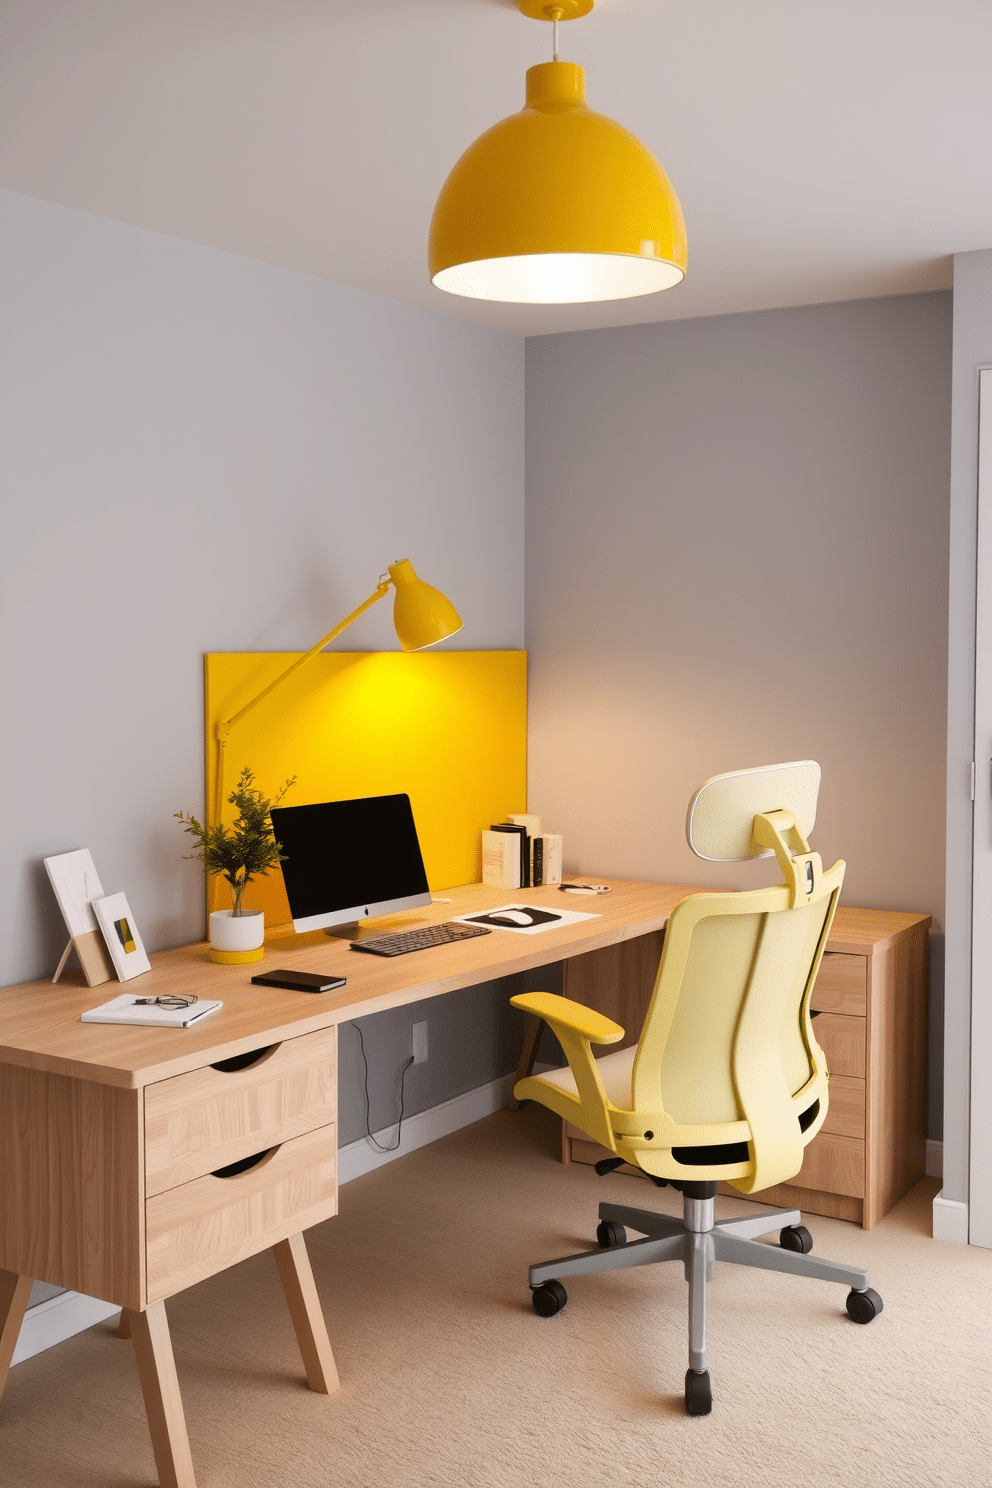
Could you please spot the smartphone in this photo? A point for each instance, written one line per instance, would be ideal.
(300, 981)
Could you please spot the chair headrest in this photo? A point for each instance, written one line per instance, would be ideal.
(720, 820)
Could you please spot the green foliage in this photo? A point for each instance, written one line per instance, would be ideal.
(248, 848)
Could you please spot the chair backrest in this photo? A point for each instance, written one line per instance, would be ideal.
(728, 1036)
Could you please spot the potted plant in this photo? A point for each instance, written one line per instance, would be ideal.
(238, 853)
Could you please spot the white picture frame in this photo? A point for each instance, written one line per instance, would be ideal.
(113, 914)
(76, 883)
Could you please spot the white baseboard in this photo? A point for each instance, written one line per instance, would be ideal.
(935, 1159)
(427, 1126)
(950, 1220)
(69, 1313)
(57, 1319)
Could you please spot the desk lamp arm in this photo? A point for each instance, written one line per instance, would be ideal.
(224, 729)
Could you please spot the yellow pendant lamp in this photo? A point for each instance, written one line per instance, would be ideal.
(556, 204)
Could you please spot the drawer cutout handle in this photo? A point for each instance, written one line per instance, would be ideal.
(245, 1164)
(243, 1061)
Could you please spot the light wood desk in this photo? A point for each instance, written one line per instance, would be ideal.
(136, 1162)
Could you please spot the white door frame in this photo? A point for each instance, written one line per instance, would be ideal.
(980, 1137)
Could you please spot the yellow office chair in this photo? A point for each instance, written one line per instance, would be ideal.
(727, 1082)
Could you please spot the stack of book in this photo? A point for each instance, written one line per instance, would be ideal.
(517, 854)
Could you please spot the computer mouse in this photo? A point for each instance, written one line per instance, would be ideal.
(512, 917)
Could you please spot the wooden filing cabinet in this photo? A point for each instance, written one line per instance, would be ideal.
(870, 1018)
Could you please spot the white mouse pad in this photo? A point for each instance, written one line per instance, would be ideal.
(525, 919)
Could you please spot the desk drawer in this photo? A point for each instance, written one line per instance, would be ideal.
(834, 1164)
(842, 1040)
(204, 1120)
(213, 1222)
(845, 1107)
(841, 985)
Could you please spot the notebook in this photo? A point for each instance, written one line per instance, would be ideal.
(124, 1010)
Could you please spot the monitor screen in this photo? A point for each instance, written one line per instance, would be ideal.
(347, 860)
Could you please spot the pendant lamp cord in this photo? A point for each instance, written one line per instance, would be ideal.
(555, 13)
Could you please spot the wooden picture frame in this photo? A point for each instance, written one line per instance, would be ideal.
(76, 884)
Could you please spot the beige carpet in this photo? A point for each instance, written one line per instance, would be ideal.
(450, 1379)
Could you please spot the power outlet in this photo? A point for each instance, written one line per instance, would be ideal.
(420, 1043)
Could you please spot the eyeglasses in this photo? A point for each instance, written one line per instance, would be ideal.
(176, 1001)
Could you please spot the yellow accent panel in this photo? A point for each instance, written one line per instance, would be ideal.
(447, 727)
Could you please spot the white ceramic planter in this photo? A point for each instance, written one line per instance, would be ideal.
(236, 938)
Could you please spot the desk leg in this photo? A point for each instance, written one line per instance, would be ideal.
(527, 1056)
(163, 1402)
(14, 1293)
(304, 1308)
(124, 1324)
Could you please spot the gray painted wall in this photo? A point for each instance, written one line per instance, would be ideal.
(199, 453)
(972, 350)
(737, 539)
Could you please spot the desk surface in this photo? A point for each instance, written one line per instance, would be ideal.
(40, 1027)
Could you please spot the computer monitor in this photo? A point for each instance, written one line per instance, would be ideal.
(348, 860)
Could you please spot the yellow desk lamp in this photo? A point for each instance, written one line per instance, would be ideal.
(421, 614)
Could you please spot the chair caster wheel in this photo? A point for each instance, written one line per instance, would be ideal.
(610, 1234)
(548, 1298)
(863, 1307)
(698, 1393)
(797, 1238)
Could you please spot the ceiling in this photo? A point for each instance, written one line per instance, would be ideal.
(821, 151)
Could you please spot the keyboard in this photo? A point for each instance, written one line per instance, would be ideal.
(418, 940)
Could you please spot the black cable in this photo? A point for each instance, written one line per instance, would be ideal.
(368, 1118)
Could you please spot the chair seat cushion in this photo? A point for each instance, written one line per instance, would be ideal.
(614, 1071)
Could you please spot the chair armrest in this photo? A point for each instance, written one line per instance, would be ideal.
(569, 1016)
(577, 1028)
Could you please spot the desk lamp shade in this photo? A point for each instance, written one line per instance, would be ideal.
(557, 205)
(422, 615)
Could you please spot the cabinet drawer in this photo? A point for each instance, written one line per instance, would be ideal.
(842, 1040)
(213, 1222)
(845, 1107)
(834, 1164)
(841, 985)
(204, 1120)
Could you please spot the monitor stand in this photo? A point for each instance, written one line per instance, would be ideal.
(350, 931)
(359, 929)
(365, 929)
